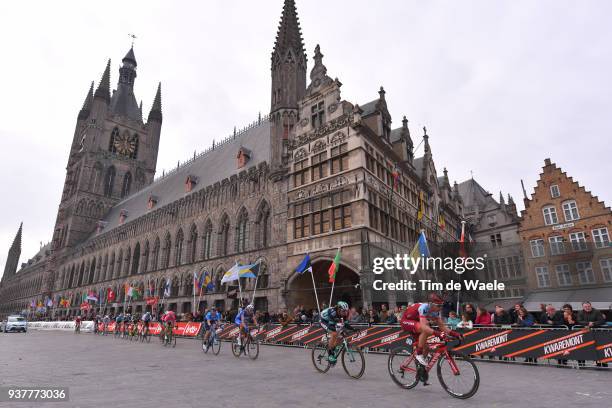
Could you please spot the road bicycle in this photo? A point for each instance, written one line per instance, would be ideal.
(212, 343)
(144, 333)
(458, 375)
(118, 329)
(250, 347)
(133, 332)
(352, 357)
(167, 337)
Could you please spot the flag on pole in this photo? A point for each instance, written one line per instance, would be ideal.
(333, 268)
(167, 288)
(110, 295)
(135, 293)
(462, 251)
(421, 212)
(232, 274)
(441, 222)
(92, 296)
(249, 271)
(396, 176)
(210, 285)
(304, 266)
(196, 281)
(202, 282)
(130, 291)
(49, 302)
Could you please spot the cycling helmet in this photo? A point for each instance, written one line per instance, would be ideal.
(436, 299)
(250, 306)
(342, 305)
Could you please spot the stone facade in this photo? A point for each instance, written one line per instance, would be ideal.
(493, 226)
(318, 174)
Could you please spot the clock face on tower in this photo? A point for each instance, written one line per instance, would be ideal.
(125, 144)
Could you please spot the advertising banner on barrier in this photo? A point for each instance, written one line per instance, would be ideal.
(67, 325)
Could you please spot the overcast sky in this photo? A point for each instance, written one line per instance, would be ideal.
(499, 85)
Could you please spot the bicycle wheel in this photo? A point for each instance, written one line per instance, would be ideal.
(215, 345)
(236, 348)
(465, 382)
(205, 345)
(353, 362)
(252, 349)
(403, 368)
(319, 358)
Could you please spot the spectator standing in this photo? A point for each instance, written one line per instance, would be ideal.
(373, 317)
(552, 317)
(470, 311)
(465, 322)
(501, 317)
(384, 313)
(483, 318)
(452, 320)
(589, 316)
(524, 318)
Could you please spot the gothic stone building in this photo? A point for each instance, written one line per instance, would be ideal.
(565, 233)
(316, 174)
(494, 228)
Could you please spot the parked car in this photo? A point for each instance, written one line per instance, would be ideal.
(14, 324)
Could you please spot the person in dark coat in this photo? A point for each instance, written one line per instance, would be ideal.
(501, 316)
(552, 317)
(589, 316)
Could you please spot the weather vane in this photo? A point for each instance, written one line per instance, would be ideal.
(133, 37)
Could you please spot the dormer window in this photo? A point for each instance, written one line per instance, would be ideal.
(243, 157)
(152, 202)
(101, 225)
(317, 114)
(190, 183)
(122, 216)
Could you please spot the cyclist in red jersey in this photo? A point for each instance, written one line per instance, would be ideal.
(416, 319)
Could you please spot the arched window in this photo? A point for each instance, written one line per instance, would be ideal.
(262, 225)
(178, 253)
(96, 178)
(193, 244)
(92, 270)
(109, 181)
(118, 264)
(111, 146)
(242, 231)
(223, 235)
(127, 185)
(110, 267)
(126, 265)
(166, 251)
(207, 240)
(263, 277)
(155, 260)
(135, 260)
(145, 258)
(134, 152)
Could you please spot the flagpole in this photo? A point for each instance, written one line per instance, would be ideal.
(256, 279)
(315, 291)
(193, 292)
(334, 282)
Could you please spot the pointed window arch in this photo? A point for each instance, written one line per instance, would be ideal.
(109, 181)
(223, 235)
(192, 247)
(262, 225)
(145, 258)
(127, 185)
(114, 135)
(166, 251)
(178, 253)
(135, 259)
(242, 231)
(155, 259)
(207, 240)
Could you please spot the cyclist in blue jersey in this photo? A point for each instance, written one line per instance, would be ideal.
(210, 323)
(245, 317)
(332, 320)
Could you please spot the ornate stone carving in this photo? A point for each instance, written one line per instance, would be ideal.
(337, 138)
(300, 154)
(332, 108)
(319, 146)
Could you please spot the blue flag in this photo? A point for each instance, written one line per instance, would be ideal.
(304, 265)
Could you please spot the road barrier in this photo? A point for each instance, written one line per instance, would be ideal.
(505, 342)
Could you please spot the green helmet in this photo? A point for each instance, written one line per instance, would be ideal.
(342, 305)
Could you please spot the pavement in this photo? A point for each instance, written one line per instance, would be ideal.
(102, 371)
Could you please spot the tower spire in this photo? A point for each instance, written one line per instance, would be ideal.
(156, 110)
(84, 112)
(103, 90)
(289, 36)
(13, 254)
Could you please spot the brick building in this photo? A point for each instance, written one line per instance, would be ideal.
(565, 233)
